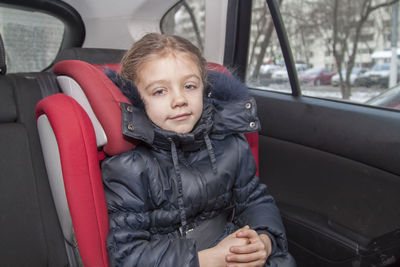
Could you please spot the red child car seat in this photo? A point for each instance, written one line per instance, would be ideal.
(77, 129)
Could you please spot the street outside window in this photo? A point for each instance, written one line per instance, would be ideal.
(343, 50)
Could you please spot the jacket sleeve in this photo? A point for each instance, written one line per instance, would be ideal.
(254, 207)
(130, 242)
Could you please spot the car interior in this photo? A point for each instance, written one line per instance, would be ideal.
(332, 166)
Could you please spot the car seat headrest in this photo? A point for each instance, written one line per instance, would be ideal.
(103, 102)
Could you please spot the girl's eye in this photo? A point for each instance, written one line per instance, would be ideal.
(190, 86)
(159, 92)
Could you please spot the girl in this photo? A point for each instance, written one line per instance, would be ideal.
(180, 197)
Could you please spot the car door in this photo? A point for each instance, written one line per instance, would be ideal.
(333, 166)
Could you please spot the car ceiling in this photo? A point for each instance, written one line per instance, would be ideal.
(132, 18)
(145, 9)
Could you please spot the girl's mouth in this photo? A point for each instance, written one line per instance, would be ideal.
(181, 117)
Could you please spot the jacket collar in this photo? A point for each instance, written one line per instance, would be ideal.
(137, 125)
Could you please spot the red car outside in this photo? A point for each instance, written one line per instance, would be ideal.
(317, 76)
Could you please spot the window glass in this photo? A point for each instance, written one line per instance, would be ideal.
(343, 50)
(31, 39)
(186, 19)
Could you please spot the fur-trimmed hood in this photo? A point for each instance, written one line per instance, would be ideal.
(227, 109)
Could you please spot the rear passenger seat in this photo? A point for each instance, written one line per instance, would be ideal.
(30, 230)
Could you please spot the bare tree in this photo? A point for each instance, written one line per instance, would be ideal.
(340, 37)
(265, 28)
(260, 24)
(346, 38)
(301, 18)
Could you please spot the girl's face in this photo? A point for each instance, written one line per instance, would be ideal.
(172, 91)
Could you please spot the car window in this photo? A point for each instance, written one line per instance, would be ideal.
(31, 39)
(186, 19)
(349, 40)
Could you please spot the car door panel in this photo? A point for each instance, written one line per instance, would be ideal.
(333, 169)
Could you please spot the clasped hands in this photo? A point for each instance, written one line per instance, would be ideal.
(245, 247)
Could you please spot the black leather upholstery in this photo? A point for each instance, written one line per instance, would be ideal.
(31, 234)
(8, 110)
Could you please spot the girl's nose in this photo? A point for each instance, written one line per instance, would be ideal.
(179, 99)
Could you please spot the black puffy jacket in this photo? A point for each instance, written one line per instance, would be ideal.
(172, 180)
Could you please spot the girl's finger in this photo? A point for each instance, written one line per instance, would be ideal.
(243, 229)
(246, 258)
(250, 248)
(250, 264)
(247, 233)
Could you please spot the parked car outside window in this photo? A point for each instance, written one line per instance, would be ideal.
(281, 75)
(355, 73)
(317, 76)
(378, 75)
(267, 70)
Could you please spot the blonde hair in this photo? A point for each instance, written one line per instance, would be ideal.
(155, 44)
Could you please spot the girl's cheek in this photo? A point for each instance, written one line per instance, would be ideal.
(198, 91)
